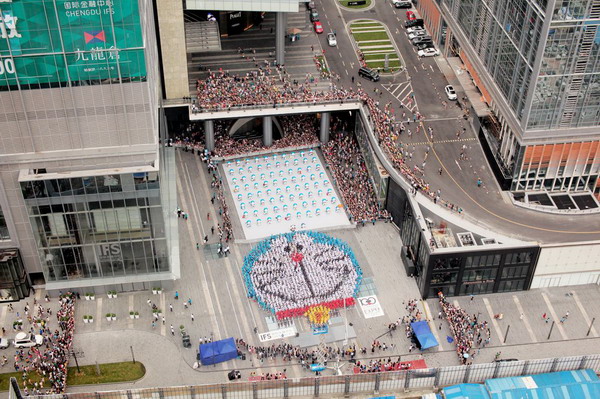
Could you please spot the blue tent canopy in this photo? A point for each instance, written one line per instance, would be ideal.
(423, 334)
(218, 351)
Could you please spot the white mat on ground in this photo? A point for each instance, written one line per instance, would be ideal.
(278, 192)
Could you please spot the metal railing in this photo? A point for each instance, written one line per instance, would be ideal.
(393, 381)
(267, 106)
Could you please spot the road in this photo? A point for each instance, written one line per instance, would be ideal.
(487, 205)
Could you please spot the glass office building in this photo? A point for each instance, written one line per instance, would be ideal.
(537, 64)
(98, 226)
(85, 178)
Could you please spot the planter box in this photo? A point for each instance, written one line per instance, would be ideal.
(137, 316)
(108, 318)
(114, 318)
(132, 316)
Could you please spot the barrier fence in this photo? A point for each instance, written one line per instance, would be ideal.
(372, 383)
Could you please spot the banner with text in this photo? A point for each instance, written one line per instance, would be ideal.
(49, 41)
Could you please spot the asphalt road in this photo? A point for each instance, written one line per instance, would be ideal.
(486, 206)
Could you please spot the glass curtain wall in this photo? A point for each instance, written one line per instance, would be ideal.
(98, 226)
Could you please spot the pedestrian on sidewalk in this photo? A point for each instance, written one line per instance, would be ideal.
(172, 330)
(192, 315)
(171, 307)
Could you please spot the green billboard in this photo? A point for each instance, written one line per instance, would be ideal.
(50, 41)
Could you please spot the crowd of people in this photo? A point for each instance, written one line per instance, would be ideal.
(381, 365)
(222, 90)
(224, 228)
(388, 133)
(288, 273)
(297, 130)
(469, 333)
(50, 360)
(347, 165)
(288, 353)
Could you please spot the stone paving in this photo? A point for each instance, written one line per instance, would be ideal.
(221, 308)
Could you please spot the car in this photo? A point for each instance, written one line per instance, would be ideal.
(413, 29)
(368, 73)
(24, 340)
(420, 39)
(450, 92)
(402, 4)
(3, 343)
(331, 39)
(424, 45)
(411, 16)
(428, 52)
(318, 27)
(418, 33)
(314, 16)
(414, 22)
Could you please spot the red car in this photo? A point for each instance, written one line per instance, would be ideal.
(410, 15)
(318, 27)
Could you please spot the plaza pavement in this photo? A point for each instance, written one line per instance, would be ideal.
(222, 309)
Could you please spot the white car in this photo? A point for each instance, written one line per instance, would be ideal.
(3, 343)
(331, 40)
(417, 33)
(428, 52)
(24, 340)
(450, 92)
(415, 29)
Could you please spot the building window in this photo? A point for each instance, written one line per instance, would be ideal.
(98, 226)
(3, 227)
(511, 285)
(515, 271)
(477, 288)
(479, 275)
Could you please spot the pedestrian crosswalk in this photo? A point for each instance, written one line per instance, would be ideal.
(403, 92)
(445, 141)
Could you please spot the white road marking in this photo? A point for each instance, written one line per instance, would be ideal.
(432, 325)
(345, 70)
(431, 67)
(455, 161)
(3, 316)
(561, 330)
(196, 214)
(585, 315)
(130, 320)
(234, 310)
(525, 319)
(343, 63)
(99, 314)
(163, 303)
(486, 302)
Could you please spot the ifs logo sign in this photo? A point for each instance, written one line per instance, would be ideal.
(108, 252)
